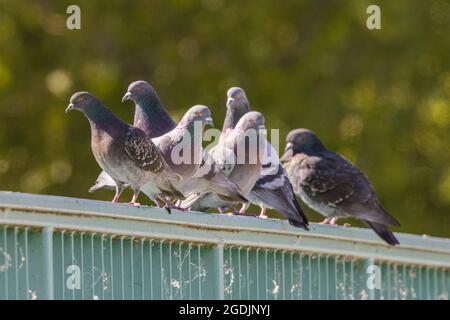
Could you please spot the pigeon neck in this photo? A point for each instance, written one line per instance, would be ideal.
(102, 119)
(233, 116)
(151, 117)
(193, 128)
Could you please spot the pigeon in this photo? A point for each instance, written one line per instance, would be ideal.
(124, 152)
(244, 145)
(273, 189)
(332, 185)
(150, 116)
(183, 151)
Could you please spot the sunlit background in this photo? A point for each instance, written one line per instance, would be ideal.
(379, 97)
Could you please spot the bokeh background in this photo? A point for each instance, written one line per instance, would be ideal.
(379, 97)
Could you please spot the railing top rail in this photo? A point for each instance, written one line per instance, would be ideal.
(121, 219)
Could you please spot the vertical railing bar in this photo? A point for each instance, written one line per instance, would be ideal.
(266, 276)
(200, 269)
(102, 239)
(283, 278)
(142, 270)
(239, 271)
(435, 284)
(111, 261)
(336, 281)
(93, 265)
(396, 281)
(344, 279)
(151, 267)
(248, 274)
(292, 276)
(189, 270)
(162, 269)
(230, 250)
(82, 264)
(27, 276)
(419, 271)
(132, 266)
(319, 277)
(122, 267)
(389, 281)
(352, 266)
(275, 273)
(16, 264)
(405, 289)
(428, 283)
(72, 252)
(300, 292)
(310, 276)
(63, 269)
(327, 277)
(170, 270)
(180, 252)
(5, 245)
(257, 273)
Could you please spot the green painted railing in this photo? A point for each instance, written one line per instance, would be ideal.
(63, 248)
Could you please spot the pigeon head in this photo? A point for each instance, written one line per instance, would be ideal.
(251, 120)
(138, 90)
(82, 101)
(237, 99)
(198, 113)
(303, 141)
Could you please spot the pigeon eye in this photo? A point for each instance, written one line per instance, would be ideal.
(198, 114)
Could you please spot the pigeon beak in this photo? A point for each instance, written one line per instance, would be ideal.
(209, 122)
(288, 147)
(70, 108)
(230, 101)
(126, 97)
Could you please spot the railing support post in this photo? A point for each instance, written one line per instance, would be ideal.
(47, 264)
(214, 267)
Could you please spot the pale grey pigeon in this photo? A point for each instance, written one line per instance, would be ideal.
(273, 189)
(239, 154)
(332, 185)
(124, 152)
(183, 151)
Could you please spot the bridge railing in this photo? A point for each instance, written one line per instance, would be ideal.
(64, 248)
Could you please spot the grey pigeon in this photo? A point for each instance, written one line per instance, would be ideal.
(332, 185)
(273, 189)
(124, 152)
(150, 116)
(240, 156)
(183, 151)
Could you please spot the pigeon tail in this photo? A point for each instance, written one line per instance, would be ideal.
(299, 224)
(383, 232)
(104, 181)
(277, 200)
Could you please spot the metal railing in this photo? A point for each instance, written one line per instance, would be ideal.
(64, 248)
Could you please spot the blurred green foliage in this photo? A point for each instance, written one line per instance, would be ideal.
(380, 97)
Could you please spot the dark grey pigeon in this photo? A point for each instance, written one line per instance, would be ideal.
(332, 185)
(240, 156)
(273, 189)
(150, 116)
(124, 152)
(183, 151)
